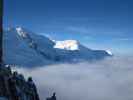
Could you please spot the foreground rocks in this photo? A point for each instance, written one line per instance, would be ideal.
(13, 86)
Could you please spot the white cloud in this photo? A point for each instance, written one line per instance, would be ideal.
(110, 79)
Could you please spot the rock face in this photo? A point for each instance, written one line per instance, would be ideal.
(13, 86)
(20, 45)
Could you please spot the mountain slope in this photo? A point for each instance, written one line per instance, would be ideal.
(77, 52)
(24, 48)
(17, 51)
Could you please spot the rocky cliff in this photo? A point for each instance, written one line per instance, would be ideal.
(13, 86)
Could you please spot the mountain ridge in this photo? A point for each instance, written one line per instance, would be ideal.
(22, 45)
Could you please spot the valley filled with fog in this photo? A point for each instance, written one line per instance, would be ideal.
(109, 79)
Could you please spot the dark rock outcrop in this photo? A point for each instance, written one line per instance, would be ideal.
(13, 86)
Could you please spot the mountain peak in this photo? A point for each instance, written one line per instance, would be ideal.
(67, 45)
(109, 52)
(21, 45)
(20, 31)
(19, 28)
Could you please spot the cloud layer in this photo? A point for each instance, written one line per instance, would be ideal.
(110, 79)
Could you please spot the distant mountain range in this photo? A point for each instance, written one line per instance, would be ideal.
(25, 48)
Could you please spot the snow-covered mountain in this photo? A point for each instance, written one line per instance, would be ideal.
(25, 48)
(67, 45)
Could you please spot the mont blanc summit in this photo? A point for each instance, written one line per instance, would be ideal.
(20, 45)
(67, 45)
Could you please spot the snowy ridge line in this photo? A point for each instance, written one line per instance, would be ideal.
(22, 45)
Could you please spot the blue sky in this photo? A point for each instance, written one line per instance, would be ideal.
(98, 24)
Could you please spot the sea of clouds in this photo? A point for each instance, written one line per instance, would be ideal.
(110, 79)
